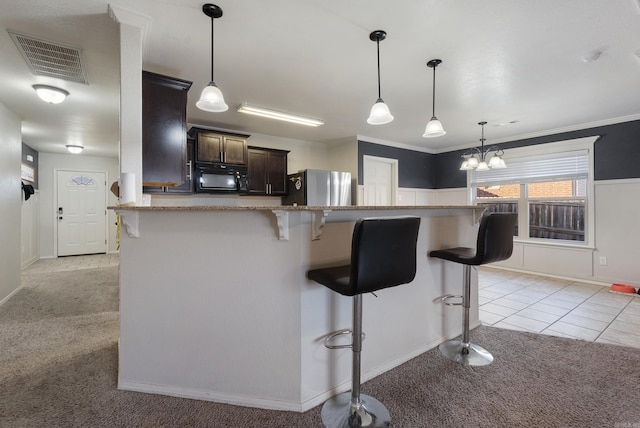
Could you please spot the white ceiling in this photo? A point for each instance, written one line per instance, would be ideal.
(503, 61)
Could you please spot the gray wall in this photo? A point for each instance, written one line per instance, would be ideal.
(415, 169)
(616, 154)
(10, 201)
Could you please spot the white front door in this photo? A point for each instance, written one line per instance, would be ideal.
(380, 177)
(81, 212)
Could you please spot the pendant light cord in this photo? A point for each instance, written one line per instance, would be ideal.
(482, 153)
(433, 106)
(212, 19)
(378, 46)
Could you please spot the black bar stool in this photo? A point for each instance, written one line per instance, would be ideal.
(383, 254)
(495, 243)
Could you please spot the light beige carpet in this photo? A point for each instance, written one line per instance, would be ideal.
(58, 368)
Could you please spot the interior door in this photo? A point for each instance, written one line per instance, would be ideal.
(81, 212)
(380, 178)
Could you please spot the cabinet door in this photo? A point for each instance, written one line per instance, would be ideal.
(187, 186)
(209, 147)
(235, 150)
(164, 141)
(277, 173)
(257, 172)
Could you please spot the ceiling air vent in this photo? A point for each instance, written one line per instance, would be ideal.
(51, 59)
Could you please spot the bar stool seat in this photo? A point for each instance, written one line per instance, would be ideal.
(383, 255)
(494, 243)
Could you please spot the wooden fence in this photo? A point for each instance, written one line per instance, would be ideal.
(557, 220)
(549, 220)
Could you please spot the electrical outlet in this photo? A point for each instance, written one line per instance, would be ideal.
(603, 261)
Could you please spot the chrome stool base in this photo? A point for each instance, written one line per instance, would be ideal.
(337, 412)
(467, 354)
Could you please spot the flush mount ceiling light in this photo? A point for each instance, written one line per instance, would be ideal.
(277, 115)
(50, 94)
(380, 113)
(434, 127)
(476, 158)
(74, 148)
(211, 98)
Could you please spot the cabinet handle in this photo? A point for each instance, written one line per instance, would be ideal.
(190, 170)
(221, 156)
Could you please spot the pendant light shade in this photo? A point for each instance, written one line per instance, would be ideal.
(380, 113)
(476, 158)
(211, 98)
(434, 127)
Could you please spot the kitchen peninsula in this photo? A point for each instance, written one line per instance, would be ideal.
(215, 304)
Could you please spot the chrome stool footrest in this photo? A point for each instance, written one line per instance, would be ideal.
(444, 299)
(335, 334)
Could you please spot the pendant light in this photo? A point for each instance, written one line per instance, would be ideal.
(380, 113)
(477, 158)
(211, 98)
(434, 127)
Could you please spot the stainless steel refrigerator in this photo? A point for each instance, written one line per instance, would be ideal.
(317, 187)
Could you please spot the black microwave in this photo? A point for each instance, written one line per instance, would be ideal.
(221, 178)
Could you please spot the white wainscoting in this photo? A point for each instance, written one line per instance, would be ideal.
(617, 235)
(616, 241)
(617, 206)
(30, 230)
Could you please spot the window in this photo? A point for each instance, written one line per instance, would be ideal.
(548, 185)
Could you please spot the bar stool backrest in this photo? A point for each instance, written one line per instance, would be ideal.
(495, 238)
(383, 253)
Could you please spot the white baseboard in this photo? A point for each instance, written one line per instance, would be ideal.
(247, 401)
(239, 400)
(3, 301)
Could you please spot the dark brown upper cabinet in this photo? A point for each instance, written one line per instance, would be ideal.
(267, 171)
(217, 147)
(164, 130)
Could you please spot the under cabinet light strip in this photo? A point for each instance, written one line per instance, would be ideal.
(272, 114)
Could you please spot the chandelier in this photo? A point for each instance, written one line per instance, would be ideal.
(476, 158)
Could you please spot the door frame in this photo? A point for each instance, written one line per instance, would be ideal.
(394, 175)
(55, 204)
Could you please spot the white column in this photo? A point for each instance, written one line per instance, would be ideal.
(133, 30)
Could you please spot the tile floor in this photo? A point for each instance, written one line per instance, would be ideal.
(558, 307)
(73, 263)
(507, 299)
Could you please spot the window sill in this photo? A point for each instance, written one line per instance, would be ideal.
(564, 244)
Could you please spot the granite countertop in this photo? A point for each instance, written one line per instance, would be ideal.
(285, 208)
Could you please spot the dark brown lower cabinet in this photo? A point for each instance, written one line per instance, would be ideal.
(267, 171)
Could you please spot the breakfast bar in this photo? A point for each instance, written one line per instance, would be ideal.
(215, 303)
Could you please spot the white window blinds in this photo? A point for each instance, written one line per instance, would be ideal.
(547, 167)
